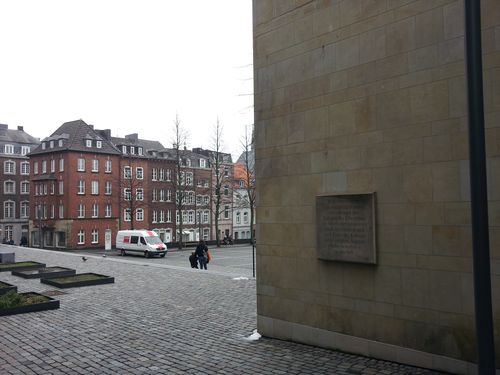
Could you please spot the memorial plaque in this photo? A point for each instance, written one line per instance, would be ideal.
(346, 228)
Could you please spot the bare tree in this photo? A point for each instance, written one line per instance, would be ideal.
(180, 187)
(216, 164)
(249, 163)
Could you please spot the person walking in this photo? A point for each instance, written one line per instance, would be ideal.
(201, 254)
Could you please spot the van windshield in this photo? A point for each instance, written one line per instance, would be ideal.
(153, 240)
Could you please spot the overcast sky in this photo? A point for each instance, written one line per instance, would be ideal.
(128, 66)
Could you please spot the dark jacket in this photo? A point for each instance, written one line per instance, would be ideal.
(193, 260)
(201, 250)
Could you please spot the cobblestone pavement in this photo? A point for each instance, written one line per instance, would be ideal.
(156, 319)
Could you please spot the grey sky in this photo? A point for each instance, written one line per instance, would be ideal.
(129, 66)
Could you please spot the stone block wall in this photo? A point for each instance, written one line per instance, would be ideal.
(370, 96)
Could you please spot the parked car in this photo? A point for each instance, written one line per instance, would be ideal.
(142, 242)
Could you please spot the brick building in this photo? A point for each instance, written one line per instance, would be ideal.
(15, 144)
(74, 202)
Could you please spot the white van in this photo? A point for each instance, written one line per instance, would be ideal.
(143, 242)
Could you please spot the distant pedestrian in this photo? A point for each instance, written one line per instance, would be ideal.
(201, 254)
(193, 260)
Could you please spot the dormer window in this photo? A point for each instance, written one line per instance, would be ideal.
(88, 142)
(124, 149)
(9, 149)
(60, 143)
(51, 144)
(139, 150)
(203, 163)
(132, 150)
(98, 144)
(188, 162)
(44, 145)
(25, 150)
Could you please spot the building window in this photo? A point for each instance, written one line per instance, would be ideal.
(95, 187)
(132, 150)
(162, 216)
(126, 214)
(162, 174)
(95, 210)
(154, 216)
(169, 175)
(107, 166)
(139, 194)
(139, 173)
(52, 211)
(124, 149)
(206, 216)
(108, 210)
(203, 163)
(81, 165)
(238, 217)
(154, 195)
(9, 187)
(51, 144)
(81, 187)
(52, 166)
(169, 195)
(35, 167)
(44, 145)
(25, 150)
(81, 210)
(226, 190)
(25, 209)
(61, 165)
(61, 211)
(127, 172)
(206, 199)
(169, 216)
(8, 209)
(107, 188)
(226, 212)
(60, 143)
(44, 166)
(139, 214)
(9, 167)
(154, 174)
(88, 142)
(189, 178)
(98, 144)
(139, 150)
(95, 236)
(61, 187)
(162, 195)
(226, 171)
(127, 194)
(9, 149)
(25, 168)
(245, 217)
(95, 165)
(25, 187)
(81, 237)
(9, 231)
(191, 216)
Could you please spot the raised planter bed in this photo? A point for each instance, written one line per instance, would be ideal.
(45, 273)
(17, 266)
(82, 279)
(19, 303)
(7, 256)
(6, 288)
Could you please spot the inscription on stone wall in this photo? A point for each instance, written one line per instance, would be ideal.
(346, 228)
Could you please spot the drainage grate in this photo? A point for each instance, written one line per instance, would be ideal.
(51, 293)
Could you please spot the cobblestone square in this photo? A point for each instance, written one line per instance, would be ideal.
(156, 319)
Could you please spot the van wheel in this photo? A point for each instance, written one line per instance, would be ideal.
(146, 254)
(122, 252)
(163, 255)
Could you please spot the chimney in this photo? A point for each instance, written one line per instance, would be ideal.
(20, 128)
(106, 133)
(132, 137)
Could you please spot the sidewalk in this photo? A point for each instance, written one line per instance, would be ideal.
(156, 320)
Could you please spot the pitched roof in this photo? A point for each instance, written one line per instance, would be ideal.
(16, 136)
(74, 135)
